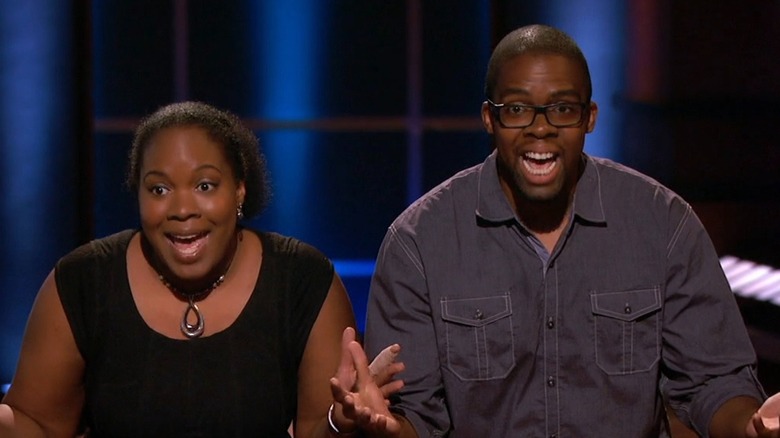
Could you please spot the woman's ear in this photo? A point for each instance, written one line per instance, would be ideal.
(240, 193)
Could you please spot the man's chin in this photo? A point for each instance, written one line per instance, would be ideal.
(538, 194)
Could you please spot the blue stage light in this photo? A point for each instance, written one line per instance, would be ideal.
(36, 157)
(598, 26)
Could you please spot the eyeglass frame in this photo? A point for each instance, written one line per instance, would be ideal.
(495, 109)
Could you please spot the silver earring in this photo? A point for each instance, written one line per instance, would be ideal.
(240, 211)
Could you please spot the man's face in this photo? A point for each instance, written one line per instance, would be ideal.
(539, 162)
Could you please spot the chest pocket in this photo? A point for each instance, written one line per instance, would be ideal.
(627, 330)
(478, 336)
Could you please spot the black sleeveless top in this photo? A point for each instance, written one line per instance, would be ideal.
(241, 382)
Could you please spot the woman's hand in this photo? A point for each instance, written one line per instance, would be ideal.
(766, 421)
(361, 391)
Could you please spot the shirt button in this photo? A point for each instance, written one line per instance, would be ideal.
(550, 322)
(627, 309)
(550, 381)
(478, 315)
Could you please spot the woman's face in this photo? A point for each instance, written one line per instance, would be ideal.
(188, 195)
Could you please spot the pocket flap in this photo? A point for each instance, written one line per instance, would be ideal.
(626, 305)
(476, 312)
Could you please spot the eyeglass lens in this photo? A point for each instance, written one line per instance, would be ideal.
(559, 115)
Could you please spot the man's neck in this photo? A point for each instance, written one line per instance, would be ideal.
(545, 220)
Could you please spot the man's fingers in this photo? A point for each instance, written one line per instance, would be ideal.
(387, 374)
(391, 388)
(384, 358)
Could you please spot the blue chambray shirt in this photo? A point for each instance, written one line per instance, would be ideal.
(630, 309)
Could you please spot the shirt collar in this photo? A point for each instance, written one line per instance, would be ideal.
(493, 206)
(588, 203)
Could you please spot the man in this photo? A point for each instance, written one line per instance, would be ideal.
(548, 293)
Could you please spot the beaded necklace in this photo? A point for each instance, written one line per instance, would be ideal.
(195, 330)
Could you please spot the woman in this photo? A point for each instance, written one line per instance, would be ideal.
(194, 325)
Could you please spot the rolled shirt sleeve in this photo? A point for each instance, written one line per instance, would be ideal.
(707, 354)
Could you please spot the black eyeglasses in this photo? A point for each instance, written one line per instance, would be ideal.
(519, 115)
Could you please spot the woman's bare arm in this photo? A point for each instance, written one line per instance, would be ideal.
(320, 361)
(47, 392)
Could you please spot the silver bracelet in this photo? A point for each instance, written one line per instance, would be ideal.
(332, 425)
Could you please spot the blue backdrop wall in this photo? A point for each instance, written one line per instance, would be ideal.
(360, 107)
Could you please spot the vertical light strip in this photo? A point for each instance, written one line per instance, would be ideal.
(98, 44)
(288, 45)
(181, 80)
(647, 59)
(598, 26)
(414, 96)
(38, 206)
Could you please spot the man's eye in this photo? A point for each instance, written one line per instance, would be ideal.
(565, 108)
(516, 109)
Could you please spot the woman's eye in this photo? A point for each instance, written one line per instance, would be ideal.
(206, 186)
(159, 190)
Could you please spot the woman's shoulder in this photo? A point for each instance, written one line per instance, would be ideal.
(287, 246)
(103, 248)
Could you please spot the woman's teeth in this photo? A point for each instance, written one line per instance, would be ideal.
(187, 245)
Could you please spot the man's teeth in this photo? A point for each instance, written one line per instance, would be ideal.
(539, 163)
(539, 155)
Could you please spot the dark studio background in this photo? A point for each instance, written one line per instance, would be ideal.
(361, 106)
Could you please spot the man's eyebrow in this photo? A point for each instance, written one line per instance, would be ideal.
(566, 93)
(512, 91)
